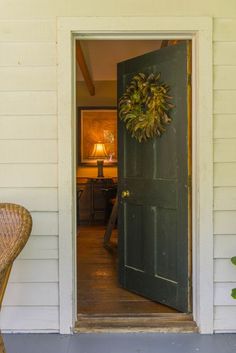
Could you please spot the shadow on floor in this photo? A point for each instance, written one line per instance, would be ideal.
(120, 343)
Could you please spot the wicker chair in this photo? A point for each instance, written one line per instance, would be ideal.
(15, 228)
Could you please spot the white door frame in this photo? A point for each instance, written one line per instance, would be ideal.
(199, 29)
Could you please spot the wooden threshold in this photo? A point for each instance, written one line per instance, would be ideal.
(169, 323)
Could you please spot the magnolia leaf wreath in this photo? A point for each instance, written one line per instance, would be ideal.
(144, 107)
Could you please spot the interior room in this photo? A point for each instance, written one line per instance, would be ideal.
(98, 287)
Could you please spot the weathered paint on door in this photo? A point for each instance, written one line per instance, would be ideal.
(153, 220)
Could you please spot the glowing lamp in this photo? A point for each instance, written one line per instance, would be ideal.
(99, 153)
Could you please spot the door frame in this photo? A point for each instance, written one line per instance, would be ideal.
(199, 30)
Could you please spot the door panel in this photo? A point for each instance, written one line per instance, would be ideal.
(153, 220)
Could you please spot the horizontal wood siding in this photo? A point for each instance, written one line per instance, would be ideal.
(43, 270)
(30, 318)
(40, 247)
(31, 294)
(27, 54)
(28, 175)
(28, 151)
(34, 30)
(28, 78)
(28, 127)
(224, 172)
(28, 168)
(28, 102)
(35, 199)
(225, 318)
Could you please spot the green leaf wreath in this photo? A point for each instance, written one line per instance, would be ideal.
(144, 107)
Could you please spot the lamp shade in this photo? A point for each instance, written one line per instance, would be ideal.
(99, 151)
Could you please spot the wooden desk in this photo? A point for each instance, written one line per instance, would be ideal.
(92, 202)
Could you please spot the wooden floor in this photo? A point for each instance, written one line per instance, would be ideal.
(98, 288)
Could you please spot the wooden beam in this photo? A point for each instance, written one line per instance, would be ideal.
(164, 43)
(84, 68)
(167, 43)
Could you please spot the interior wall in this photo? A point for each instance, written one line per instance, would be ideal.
(105, 94)
(105, 97)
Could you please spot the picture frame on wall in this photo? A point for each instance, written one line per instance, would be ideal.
(97, 125)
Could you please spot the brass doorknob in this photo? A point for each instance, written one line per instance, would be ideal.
(125, 194)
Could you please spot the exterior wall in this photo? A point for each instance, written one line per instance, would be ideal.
(224, 172)
(28, 167)
(28, 141)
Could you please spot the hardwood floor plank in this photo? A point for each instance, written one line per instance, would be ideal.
(98, 288)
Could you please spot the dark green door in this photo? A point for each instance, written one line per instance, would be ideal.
(153, 220)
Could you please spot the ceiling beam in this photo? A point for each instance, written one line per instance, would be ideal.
(84, 68)
(164, 43)
(167, 43)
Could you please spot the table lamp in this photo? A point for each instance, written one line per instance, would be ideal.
(99, 153)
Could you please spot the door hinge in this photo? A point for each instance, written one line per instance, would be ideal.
(190, 181)
(189, 79)
(190, 282)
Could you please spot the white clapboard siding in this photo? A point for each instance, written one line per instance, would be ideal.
(225, 77)
(28, 168)
(225, 222)
(45, 223)
(28, 31)
(28, 78)
(34, 199)
(30, 318)
(222, 293)
(40, 247)
(224, 53)
(224, 246)
(28, 151)
(224, 174)
(225, 126)
(34, 271)
(28, 175)
(27, 54)
(31, 294)
(225, 318)
(224, 29)
(224, 271)
(15, 102)
(225, 150)
(28, 127)
(225, 198)
(224, 101)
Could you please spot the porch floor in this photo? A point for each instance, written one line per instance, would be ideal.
(116, 343)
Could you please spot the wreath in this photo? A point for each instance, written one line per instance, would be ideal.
(144, 107)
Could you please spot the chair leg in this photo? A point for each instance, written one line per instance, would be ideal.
(3, 284)
(2, 348)
(111, 223)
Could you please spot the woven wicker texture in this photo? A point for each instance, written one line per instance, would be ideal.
(15, 228)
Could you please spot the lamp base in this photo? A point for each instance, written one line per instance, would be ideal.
(100, 169)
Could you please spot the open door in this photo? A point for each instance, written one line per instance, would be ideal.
(153, 218)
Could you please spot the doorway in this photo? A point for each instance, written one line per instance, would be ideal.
(199, 30)
(99, 290)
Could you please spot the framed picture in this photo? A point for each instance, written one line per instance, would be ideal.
(97, 125)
